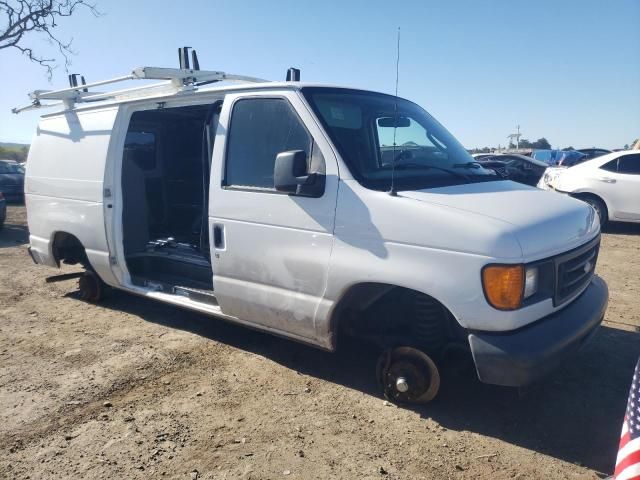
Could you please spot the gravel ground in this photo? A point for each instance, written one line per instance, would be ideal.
(136, 389)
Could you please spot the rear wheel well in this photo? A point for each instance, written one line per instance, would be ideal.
(68, 249)
(391, 316)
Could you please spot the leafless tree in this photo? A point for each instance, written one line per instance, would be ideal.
(24, 18)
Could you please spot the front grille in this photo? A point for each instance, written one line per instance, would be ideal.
(574, 270)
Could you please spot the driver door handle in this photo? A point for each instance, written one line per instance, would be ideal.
(218, 237)
(607, 179)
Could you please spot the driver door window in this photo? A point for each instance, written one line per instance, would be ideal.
(260, 129)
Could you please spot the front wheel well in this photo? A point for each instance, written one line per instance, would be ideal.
(68, 249)
(585, 196)
(391, 316)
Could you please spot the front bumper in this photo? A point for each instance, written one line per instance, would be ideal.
(520, 357)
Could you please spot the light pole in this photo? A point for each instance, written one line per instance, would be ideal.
(516, 136)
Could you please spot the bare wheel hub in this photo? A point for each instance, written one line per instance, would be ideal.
(401, 385)
(408, 375)
(90, 287)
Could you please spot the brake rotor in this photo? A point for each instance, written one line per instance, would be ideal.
(408, 375)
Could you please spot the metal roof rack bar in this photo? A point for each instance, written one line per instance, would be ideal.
(63, 93)
(178, 79)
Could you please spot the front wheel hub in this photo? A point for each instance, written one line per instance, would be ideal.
(408, 375)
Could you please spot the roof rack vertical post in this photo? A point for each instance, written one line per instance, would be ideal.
(194, 60)
(293, 75)
(183, 57)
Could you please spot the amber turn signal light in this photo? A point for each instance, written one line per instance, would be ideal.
(503, 285)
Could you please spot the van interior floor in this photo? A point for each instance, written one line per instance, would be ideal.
(170, 263)
(165, 171)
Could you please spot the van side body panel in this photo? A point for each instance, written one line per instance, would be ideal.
(64, 184)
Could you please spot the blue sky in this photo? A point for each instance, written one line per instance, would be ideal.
(568, 70)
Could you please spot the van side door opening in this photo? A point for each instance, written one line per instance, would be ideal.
(165, 177)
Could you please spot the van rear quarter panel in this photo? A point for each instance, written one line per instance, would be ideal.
(64, 183)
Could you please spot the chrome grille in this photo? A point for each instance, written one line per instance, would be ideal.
(574, 270)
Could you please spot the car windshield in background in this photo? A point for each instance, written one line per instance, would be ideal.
(6, 167)
(375, 133)
(532, 161)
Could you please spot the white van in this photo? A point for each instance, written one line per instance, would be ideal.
(308, 212)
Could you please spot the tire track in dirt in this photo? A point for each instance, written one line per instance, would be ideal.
(127, 385)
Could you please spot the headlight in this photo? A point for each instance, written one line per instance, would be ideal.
(530, 281)
(550, 178)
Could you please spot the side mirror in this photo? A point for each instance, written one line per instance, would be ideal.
(290, 175)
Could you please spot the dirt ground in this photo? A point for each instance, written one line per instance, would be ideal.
(136, 389)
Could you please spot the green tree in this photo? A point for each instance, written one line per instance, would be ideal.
(541, 143)
(19, 155)
(480, 150)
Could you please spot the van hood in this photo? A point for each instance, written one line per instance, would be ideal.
(544, 223)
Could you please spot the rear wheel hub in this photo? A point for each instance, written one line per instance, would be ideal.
(90, 287)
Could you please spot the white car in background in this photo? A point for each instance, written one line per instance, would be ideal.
(610, 183)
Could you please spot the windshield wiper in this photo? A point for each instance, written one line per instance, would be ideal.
(404, 166)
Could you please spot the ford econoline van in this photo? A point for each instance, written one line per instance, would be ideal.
(312, 212)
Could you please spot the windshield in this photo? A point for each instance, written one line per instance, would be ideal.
(525, 162)
(374, 132)
(6, 167)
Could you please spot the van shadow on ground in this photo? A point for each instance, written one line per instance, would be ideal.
(574, 415)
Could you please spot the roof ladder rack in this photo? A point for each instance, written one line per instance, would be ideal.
(175, 80)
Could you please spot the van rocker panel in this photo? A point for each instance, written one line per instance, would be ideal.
(518, 358)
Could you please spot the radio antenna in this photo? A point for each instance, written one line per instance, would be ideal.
(393, 192)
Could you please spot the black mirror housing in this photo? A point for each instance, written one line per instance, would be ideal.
(291, 175)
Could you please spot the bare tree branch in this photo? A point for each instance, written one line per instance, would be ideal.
(24, 18)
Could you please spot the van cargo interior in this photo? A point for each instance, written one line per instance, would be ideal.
(165, 171)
